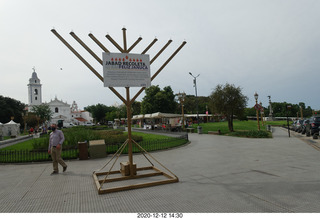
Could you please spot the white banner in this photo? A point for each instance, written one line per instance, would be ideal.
(126, 70)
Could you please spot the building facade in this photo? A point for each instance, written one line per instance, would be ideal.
(34, 91)
(62, 111)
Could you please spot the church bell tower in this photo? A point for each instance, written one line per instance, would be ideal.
(34, 90)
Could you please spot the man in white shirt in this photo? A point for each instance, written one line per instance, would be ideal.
(55, 147)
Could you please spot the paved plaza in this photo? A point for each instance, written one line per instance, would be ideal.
(216, 174)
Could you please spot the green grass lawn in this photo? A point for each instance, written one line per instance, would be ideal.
(223, 126)
(241, 128)
(150, 137)
(26, 145)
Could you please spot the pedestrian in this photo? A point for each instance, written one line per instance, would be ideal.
(31, 131)
(55, 147)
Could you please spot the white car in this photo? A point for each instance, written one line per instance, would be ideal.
(88, 124)
(68, 125)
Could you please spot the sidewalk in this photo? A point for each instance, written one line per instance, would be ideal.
(216, 173)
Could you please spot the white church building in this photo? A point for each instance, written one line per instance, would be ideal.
(62, 111)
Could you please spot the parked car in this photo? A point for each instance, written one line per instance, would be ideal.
(313, 126)
(298, 125)
(88, 124)
(293, 126)
(68, 125)
(304, 126)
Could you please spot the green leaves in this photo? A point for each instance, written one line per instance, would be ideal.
(157, 100)
(43, 112)
(228, 100)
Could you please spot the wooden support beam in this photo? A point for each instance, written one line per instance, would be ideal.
(157, 172)
(98, 42)
(136, 186)
(161, 50)
(150, 45)
(169, 59)
(118, 171)
(115, 43)
(132, 177)
(105, 173)
(85, 47)
(124, 40)
(118, 95)
(134, 44)
(96, 181)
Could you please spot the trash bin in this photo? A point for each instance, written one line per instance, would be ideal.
(199, 130)
(83, 150)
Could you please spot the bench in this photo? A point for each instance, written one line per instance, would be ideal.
(191, 130)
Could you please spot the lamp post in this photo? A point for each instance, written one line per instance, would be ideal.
(195, 86)
(270, 110)
(256, 97)
(262, 114)
(181, 97)
(288, 108)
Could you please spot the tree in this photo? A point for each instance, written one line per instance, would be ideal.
(43, 112)
(99, 111)
(31, 120)
(228, 100)
(157, 100)
(147, 104)
(280, 109)
(190, 105)
(110, 116)
(136, 108)
(11, 108)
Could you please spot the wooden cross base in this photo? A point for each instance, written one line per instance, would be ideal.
(153, 182)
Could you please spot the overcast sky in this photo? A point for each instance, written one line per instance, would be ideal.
(268, 46)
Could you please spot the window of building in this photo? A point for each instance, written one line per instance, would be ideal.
(56, 110)
(36, 98)
(36, 91)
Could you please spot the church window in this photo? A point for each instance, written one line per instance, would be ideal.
(35, 81)
(56, 110)
(35, 91)
(36, 98)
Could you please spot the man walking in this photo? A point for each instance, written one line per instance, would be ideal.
(55, 147)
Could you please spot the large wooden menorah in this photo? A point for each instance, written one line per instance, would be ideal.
(133, 170)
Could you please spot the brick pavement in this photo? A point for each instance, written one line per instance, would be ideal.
(216, 173)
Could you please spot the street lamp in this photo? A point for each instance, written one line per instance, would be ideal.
(301, 112)
(195, 86)
(181, 97)
(257, 107)
(288, 107)
(262, 114)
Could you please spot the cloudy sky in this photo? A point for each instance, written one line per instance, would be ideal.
(268, 46)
